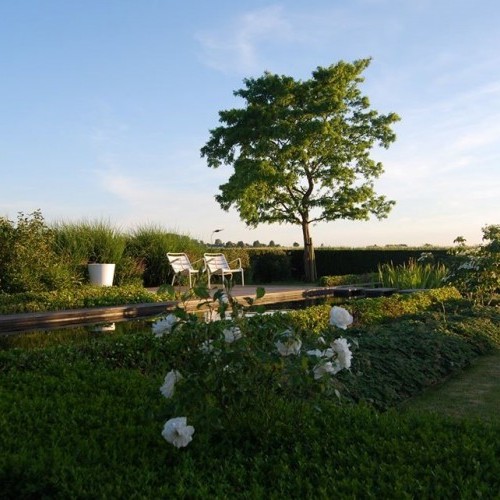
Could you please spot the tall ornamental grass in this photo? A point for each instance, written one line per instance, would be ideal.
(413, 274)
(149, 244)
(86, 241)
(90, 241)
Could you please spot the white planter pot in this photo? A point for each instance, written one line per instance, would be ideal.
(101, 274)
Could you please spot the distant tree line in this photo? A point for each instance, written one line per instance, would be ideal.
(241, 244)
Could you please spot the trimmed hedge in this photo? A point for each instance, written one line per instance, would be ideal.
(267, 265)
(332, 262)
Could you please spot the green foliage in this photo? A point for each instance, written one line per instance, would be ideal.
(379, 310)
(386, 309)
(76, 298)
(263, 426)
(28, 262)
(149, 245)
(399, 360)
(58, 431)
(341, 261)
(413, 274)
(300, 150)
(348, 279)
(90, 241)
(129, 271)
(475, 271)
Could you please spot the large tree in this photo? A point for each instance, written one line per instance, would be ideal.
(300, 151)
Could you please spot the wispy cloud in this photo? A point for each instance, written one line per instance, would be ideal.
(235, 49)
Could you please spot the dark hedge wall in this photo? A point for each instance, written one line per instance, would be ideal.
(333, 262)
(268, 265)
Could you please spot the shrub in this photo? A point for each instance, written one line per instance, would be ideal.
(129, 271)
(373, 311)
(384, 309)
(28, 261)
(307, 451)
(76, 298)
(475, 271)
(348, 279)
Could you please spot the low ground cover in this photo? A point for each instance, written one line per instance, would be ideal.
(78, 297)
(84, 420)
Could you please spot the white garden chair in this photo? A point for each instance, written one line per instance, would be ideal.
(217, 265)
(181, 266)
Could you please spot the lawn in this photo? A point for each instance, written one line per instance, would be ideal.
(473, 393)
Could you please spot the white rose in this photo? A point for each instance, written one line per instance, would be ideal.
(290, 346)
(168, 387)
(165, 325)
(232, 334)
(340, 317)
(323, 368)
(176, 432)
(344, 354)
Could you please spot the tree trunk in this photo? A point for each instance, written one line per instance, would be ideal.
(309, 258)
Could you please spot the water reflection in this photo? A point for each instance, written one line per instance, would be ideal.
(105, 327)
(84, 333)
(73, 335)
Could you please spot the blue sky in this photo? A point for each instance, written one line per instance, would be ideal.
(105, 104)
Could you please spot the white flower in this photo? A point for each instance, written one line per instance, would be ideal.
(164, 325)
(322, 369)
(344, 354)
(207, 346)
(231, 334)
(290, 346)
(176, 432)
(315, 352)
(327, 353)
(340, 317)
(469, 265)
(168, 387)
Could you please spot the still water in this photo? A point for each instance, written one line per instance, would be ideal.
(83, 333)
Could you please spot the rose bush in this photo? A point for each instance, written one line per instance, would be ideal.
(226, 366)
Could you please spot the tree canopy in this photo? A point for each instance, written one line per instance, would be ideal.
(301, 151)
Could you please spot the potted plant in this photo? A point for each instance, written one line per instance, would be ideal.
(106, 247)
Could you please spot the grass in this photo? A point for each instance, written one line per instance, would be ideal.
(412, 275)
(473, 393)
(90, 241)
